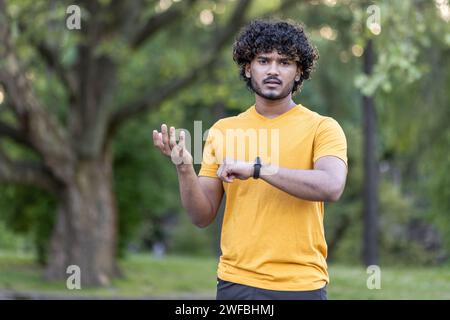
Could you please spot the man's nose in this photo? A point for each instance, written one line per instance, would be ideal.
(273, 68)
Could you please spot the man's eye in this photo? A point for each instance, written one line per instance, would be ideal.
(262, 61)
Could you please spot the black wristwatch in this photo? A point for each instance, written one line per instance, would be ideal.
(257, 168)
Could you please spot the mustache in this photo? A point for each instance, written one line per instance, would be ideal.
(272, 79)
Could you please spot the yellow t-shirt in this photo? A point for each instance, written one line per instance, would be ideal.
(270, 239)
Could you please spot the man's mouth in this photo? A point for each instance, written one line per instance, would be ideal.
(272, 82)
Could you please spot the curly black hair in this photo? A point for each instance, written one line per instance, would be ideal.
(287, 37)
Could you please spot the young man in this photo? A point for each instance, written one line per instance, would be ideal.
(273, 243)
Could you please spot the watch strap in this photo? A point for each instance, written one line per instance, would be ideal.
(257, 168)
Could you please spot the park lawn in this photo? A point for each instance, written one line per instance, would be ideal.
(195, 278)
(143, 277)
(412, 283)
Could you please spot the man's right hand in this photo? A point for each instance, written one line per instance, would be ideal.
(165, 141)
(200, 196)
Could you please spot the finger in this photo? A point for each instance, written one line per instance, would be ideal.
(182, 142)
(231, 178)
(172, 140)
(228, 177)
(219, 171)
(155, 138)
(165, 137)
(175, 155)
(163, 147)
(157, 141)
(224, 174)
(179, 151)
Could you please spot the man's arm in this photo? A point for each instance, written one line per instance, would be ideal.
(200, 196)
(325, 182)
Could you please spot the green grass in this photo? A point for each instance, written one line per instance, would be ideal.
(189, 277)
(396, 283)
(143, 276)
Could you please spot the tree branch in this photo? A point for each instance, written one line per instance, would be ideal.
(27, 173)
(155, 98)
(51, 60)
(158, 22)
(14, 134)
(234, 24)
(41, 128)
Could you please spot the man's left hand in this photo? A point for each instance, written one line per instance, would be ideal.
(233, 169)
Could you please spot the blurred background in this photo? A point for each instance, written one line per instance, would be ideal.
(82, 87)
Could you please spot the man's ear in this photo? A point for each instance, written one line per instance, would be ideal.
(248, 74)
(298, 74)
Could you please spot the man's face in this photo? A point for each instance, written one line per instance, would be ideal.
(272, 75)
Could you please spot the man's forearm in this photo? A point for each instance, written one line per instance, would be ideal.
(192, 197)
(313, 185)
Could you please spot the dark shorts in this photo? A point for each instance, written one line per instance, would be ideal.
(234, 291)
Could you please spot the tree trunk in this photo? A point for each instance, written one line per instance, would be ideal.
(370, 245)
(86, 229)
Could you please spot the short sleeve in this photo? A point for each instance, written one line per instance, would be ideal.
(330, 140)
(209, 165)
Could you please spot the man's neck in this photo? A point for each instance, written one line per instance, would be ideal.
(273, 108)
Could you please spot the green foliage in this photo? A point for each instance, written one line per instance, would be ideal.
(9, 240)
(438, 187)
(29, 213)
(145, 182)
(200, 240)
(397, 211)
